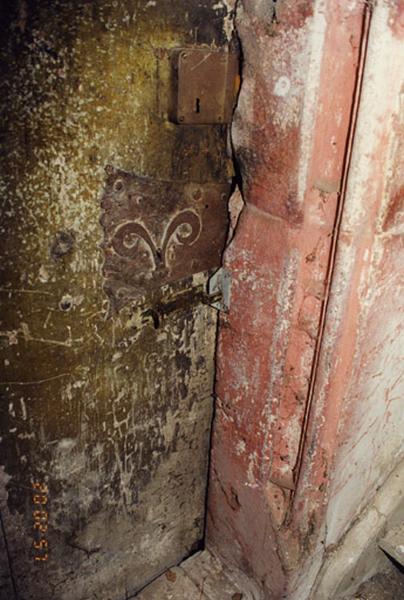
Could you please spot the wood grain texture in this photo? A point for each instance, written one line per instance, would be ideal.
(111, 413)
(200, 577)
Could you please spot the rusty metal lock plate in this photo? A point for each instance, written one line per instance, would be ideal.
(156, 232)
(206, 86)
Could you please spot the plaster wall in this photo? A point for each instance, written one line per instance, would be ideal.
(361, 369)
(368, 285)
(308, 411)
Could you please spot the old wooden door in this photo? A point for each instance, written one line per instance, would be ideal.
(113, 198)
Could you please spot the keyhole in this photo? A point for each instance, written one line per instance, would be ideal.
(198, 105)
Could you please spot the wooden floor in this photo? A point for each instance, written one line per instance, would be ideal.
(201, 577)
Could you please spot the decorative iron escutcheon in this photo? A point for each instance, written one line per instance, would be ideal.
(157, 232)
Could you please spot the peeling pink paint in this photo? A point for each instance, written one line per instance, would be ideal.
(279, 423)
(357, 419)
(396, 18)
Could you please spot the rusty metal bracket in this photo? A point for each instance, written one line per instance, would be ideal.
(154, 311)
(205, 85)
(219, 289)
(157, 232)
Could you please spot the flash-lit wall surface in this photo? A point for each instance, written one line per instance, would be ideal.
(105, 416)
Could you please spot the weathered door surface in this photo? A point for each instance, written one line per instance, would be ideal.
(113, 196)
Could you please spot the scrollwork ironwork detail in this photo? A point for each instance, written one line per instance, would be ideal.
(131, 238)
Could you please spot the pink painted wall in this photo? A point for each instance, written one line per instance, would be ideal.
(307, 387)
(362, 362)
